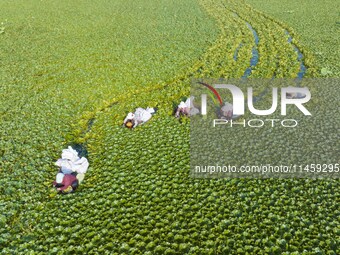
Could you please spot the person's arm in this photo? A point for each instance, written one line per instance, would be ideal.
(126, 119)
(177, 112)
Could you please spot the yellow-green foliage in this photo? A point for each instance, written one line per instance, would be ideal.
(317, 23)
(67, 64)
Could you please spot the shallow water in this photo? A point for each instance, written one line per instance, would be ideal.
(255, 53)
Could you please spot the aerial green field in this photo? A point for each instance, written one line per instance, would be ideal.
(71, 71)
(318, 26)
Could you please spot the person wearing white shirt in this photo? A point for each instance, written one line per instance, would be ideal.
(186, 108)
(139, 117)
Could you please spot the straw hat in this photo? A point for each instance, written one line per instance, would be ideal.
(129, 124)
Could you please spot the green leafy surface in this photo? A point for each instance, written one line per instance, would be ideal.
(65, 64)
(317, 23)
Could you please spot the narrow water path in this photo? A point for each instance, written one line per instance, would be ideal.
(254, 52)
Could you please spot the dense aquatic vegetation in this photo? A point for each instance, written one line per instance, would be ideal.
(73, 77)
(319, 32)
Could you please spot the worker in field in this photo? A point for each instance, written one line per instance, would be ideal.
(72, 171)
(226, 111)
(294, 95)
(139, 117)
(186, 108)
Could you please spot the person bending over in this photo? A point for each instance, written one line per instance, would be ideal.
(139, 117)
(186, 108)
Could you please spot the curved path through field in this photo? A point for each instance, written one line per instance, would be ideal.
(220, 59)
(138, 195)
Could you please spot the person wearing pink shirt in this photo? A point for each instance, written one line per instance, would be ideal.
(66, 183)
